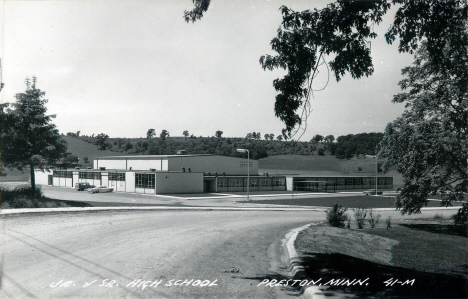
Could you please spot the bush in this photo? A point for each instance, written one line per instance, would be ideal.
(462, 216)
(321, 152)
(22, 197)
(360, 215)
(336, 216)
(373, 220)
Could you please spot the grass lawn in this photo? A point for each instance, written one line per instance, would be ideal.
(429, 255)
(358, 201)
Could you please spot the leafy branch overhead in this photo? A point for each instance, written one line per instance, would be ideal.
(338, 37)
(201, 6)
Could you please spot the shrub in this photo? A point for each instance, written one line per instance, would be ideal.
(321, 152)
(462, 216)
(373, 219)
(360, 215)
(22, 202)
(388, 222)
(336, 215)
(22, 197)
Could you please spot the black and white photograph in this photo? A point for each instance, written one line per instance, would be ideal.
(233, 149)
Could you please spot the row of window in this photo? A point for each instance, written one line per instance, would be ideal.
(364, 181)
(62, 174)
(89, 175)
(117, 176)
(144, 180)
(224, 182)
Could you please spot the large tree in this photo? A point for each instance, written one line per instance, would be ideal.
(150, 133)
(164, 134)
(102, 141)
(428, 142)
(30, 139)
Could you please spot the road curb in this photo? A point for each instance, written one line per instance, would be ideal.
(32, 211)
(5, 212)
(295, 266)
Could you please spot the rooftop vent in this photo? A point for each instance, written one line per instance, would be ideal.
(102, 168)
(181, 152)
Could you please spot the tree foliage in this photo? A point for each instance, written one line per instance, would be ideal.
(164, 134)
(29, 138)
(339, 36)
(347, 146)
(428, 142)
(200, 7)
(102, 142)
(317, 138)
(150, 133)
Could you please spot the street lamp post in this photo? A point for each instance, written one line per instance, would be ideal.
(376, 168)
(243, 150)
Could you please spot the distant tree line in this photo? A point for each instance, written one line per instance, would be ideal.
(351, 145)
(344, 147)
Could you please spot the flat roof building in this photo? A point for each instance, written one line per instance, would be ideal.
(172, 174)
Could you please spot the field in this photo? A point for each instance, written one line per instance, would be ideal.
(83, 149)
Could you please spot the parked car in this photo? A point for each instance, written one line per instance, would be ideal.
(100, 189)
(83, 186)
(372, 192)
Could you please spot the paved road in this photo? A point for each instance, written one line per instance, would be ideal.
(41, 253)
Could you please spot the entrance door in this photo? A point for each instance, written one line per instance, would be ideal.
(50, 180)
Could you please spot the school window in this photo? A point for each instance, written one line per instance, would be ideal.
(264, 182)
(235, 182)
(62, 174)
(117, 176)
(89, 175)
(278, 182)
(144, 180)
(222, 182)
(253, 182)
(357, 181)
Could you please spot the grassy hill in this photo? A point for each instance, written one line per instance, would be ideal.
(83, 149)
(76, 146)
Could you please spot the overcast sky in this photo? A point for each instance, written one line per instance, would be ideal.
(123, 67)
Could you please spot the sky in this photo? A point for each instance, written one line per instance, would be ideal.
(123, 67)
